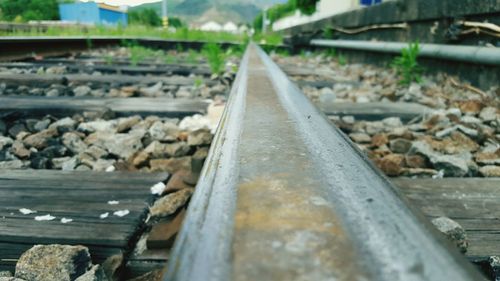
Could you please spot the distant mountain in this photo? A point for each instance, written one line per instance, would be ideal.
(200, 11)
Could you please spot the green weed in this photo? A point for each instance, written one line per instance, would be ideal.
(215, 57)
(138, 54)
(407, 65)
(198, 82)
(108, 59)
(341, 60)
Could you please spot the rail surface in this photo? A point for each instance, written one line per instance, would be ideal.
(284, 195)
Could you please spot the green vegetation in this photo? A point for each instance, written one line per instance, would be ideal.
(108, 59)
(133, 31)
(215, 58)
(307, 7)
(279, 11)
(341, 59)
(138, 53)
(26, 10)
(407, 65)
(149, 17)
(198, 82)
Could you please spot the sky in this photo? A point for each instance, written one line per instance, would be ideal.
(124, 2)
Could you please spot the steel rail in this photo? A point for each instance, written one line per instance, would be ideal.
(470, 54)
(284, 195)
(15, 47)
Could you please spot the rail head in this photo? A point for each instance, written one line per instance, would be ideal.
(284, 195)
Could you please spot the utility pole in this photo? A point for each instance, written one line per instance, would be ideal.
(264, 20)
(164, 13)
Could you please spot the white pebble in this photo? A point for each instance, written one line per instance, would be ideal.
(105, 215)
(65, 220)
(25, 211)
(113, 202)
(110, 169)
(121, 213)
(47, 217)
(158, 188)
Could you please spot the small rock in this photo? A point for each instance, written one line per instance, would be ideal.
(125, 124)
(196, 122)
(391, 164)
(40, 163)
(376, 127)
(401, 146)
(393, 122)
(5, 141)
(170, 203)
(152, 91)
(94, 274)
(98, 125)
(19, 150)
(489, 114)
(40, 140)
(52, 93)
(96, 152)
(199, 137)
(418, 172)
(494, 262)
(10, 279)
(326, 96)
(453, 231)
(81, 91)
(102, 164)
(360, 137)
(70, 165)
(490, 171)
(6, 274)
(452, 166)
(54, 151)
(73, 142)
(41, 125)
(83, 168)
(176, 182)
(184, 93)
(471, 106)
(140, 158)
(56, 70)
(379, 140)
(415, 161)
(12, 165)
(422, 148)
(53, 262)
(488, 158)
(57, 163)
(171, 165)
(67, 123)
(16, 129)
(164, 131)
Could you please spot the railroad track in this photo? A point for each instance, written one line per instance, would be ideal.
(283, 193)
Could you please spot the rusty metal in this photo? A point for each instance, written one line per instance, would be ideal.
(284, 195)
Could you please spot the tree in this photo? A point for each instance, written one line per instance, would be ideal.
(26, 10)
(147, 16)
(307, 7)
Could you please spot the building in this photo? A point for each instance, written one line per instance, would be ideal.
(324, 9)
(93, 13)
(211, 26)
(230, 27)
